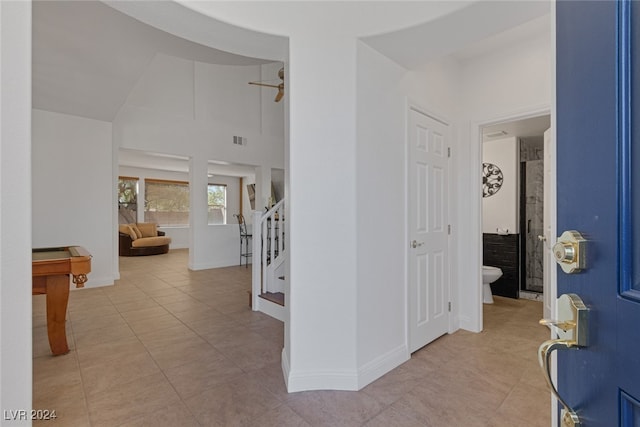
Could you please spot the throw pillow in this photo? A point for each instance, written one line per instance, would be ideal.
(136, 230)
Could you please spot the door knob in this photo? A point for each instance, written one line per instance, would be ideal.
(415, 244)
(570, 252)
(571, 329)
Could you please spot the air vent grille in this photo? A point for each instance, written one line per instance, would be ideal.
(495, 134)
(239, 140)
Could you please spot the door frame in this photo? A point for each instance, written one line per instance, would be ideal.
(410, 105)
(476, 162)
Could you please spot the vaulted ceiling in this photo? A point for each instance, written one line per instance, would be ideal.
(87, 56)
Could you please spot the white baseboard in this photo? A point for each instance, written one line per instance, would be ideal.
(271, 308)
(468, 325)
(373, 370)
(345, 380)
(328, 380)
(208, 265)
(285, 368)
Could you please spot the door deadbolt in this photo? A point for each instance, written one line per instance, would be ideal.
(570, 252)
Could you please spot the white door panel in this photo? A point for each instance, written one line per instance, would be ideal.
(428, 229)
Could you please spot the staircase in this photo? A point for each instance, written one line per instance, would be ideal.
(269, 262)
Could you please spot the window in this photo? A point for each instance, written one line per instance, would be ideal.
(127, 200)
(217, 204)
(166, 202)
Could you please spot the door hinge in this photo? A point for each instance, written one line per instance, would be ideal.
(448, 151)
(449, 229)
(449, 305)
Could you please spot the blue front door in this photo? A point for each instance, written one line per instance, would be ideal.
(598, 172)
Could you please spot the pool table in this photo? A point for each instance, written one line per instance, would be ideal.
(50, 270)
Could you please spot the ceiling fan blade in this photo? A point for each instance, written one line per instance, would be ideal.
(264, 84)
(280, 88)
(280, 92)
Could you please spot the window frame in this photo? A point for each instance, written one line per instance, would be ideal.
(223, 207)
(126, 206)
(160, 216)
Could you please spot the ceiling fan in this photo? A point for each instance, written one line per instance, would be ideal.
(280, 86)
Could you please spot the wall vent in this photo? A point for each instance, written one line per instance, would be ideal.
(239, 140)
(495, 134)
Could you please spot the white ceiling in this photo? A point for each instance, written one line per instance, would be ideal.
(482, 23)
(87, 56)
(509, 38)
(524, 128)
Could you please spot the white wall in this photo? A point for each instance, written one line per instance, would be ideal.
(15, 209)
(238, 103)
(382, 339)
(515, 78)
(72, 186)
(500, 210)
(322, 352)
(213, 103)
(192, 109)
(166, 86)
(383, 92)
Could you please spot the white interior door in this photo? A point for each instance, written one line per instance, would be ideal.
(428, 236)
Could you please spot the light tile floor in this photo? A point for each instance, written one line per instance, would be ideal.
(166, 346)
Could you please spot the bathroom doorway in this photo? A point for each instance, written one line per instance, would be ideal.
(513, 218)
(531, 216)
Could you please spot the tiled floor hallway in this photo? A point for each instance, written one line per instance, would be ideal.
(167, 346)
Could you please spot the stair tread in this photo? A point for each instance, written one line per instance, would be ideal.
(275, 297)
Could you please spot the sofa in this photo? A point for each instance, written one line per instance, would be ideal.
(142, 238)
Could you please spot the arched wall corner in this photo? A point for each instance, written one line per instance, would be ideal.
(182, 21)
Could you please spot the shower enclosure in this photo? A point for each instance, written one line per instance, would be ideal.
(531, 213)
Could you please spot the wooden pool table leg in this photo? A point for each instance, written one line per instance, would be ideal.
(57, 299)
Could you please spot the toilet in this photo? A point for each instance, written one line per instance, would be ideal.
(489, 275)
